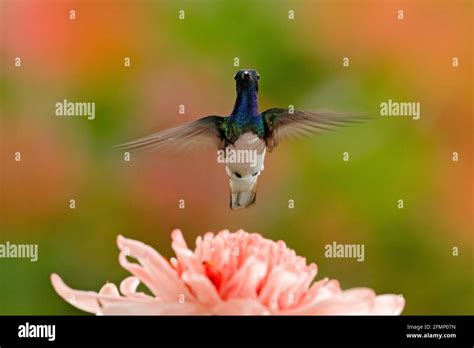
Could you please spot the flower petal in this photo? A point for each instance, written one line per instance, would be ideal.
(109, 289)
(245, 281)
(202, 288)
(128, 287)
(84, 300)
(240, 307)
(277, 282)
(388, 305)
(127, 306)
(357, 301)
(187, 259)
(155, 272)
(320, 290)
(291, 297)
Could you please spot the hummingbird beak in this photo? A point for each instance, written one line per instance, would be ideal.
(245, 77)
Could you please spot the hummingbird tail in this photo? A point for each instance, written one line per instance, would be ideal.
(242, 196)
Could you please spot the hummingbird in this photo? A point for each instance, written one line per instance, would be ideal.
(244, 131)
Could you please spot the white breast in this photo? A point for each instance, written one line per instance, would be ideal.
(249, 153)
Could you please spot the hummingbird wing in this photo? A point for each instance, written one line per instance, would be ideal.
(281, 123)
(209, 130)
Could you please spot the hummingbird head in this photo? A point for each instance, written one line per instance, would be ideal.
(246, 79)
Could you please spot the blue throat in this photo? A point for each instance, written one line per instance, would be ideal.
(246, 105)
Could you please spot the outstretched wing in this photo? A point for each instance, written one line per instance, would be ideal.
(281, 123)
(208, 130)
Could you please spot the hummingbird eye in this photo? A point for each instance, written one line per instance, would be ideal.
(238, 175)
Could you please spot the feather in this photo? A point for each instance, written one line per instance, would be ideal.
(206, 130)
(281, 123)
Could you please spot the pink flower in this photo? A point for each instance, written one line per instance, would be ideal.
(227, 274)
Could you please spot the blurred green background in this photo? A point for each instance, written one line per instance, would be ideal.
(191, 62)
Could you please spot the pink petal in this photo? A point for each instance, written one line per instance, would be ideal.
(128, 287)
(155, 271)
(202, 288)
(240, 307)
(126, 306)
(186, 257)
(357, 293)
(293, 295)
(245, 281)
(357, 301)
(388, 305)
(319, 291)
(204, 249)
(109, 289)
(277, 282)
(84, 300)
